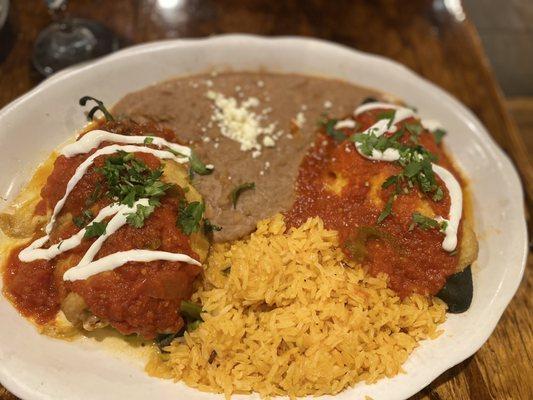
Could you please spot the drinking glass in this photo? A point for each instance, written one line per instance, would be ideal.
(68, 41)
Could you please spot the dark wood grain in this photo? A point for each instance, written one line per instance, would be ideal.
(424, 35)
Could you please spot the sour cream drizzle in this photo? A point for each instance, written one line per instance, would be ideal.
(87, 267)
(345, 123)
(95, 138)
(35, 251)
(454, 188)
(120, 258)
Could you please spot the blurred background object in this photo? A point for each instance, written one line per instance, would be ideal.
(69, 41)
(4, 9)
(506, 30)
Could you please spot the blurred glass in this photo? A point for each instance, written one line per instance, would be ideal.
(68, 41)
(4, 9)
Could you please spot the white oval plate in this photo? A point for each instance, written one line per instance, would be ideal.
(36, 367)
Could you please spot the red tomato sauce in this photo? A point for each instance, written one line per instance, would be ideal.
(31, 287)
(413, 259)
(141, 298)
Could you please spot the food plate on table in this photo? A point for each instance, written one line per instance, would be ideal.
(237, 216)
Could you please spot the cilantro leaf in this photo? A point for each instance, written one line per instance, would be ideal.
(415, 160)
(237, 191)
(439, 194)
(148, 140)
(189, 216)
(367, 142)
(81, 220)
(439, 134)
(95, 229)
(391, 180)
(415, 129)
(334, 133)
(95, 195)
(425, 222)
(412, 169)
(387, 210)
(129, 179)
(137, 218)
(196, 166)
(389, 114)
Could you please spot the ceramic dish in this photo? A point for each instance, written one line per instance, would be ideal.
(35, 367)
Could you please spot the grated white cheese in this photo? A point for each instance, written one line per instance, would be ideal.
(268, 141)
(240, 123)
(300, 120)
(328, 104)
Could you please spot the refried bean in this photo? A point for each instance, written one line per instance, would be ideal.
(182, 105)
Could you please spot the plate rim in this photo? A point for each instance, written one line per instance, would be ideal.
(431, 89)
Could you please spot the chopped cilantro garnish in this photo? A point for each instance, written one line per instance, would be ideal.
(331, 131)
(95, 229)
(95, 195)
(415, 160)
(388, 114)
(415, 129)
(129, 179)
(412, 169)
(439, 134)
(137, 218)
(148, 140)
(439, 194)
(366, 142)
(370, 141)
(237, 191)
(81, 220)
(196, 166)
(391, 180)
(189, 216)
(426, 223)
(387, 210)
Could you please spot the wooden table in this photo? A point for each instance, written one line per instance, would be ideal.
(437, 42)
